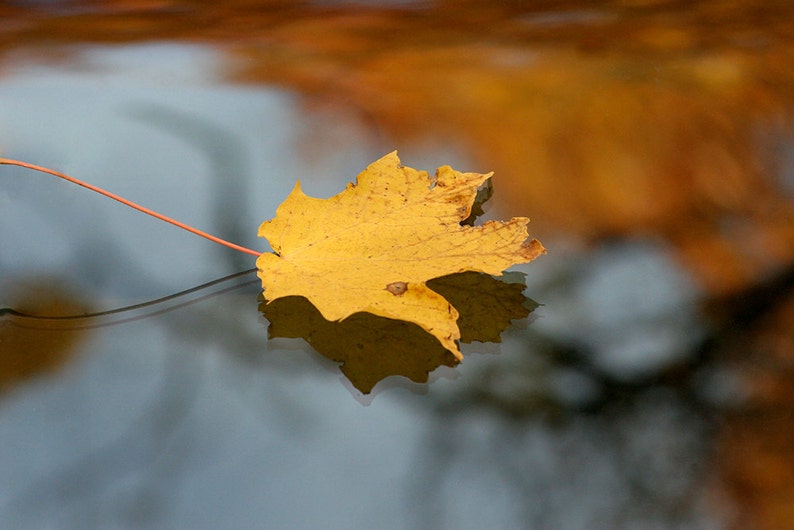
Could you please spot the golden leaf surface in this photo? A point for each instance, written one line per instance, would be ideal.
(372, 247)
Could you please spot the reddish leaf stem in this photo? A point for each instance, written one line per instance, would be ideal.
(130, 204)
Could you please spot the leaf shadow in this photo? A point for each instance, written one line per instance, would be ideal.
(370, 348)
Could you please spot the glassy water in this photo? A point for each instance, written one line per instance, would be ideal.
(182, 414)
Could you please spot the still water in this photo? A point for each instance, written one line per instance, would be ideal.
(184, 414)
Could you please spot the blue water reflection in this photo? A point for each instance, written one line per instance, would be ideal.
(192, 419)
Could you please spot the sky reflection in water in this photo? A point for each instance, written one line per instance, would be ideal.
(192, 419)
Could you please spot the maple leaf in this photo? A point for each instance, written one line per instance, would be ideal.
(372, 247)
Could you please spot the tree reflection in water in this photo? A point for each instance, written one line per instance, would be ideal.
(638, 462)
(567, 437)
(664, 125)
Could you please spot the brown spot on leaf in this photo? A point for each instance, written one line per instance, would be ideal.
(397, 288)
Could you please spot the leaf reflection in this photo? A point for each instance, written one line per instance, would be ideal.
(371, 348)
(159, 305)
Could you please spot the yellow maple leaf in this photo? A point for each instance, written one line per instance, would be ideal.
(373, 246)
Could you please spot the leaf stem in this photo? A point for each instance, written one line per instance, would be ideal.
(131, 204)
